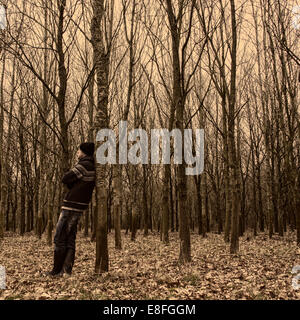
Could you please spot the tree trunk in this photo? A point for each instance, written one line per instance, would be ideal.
(2, 209)
(50, 206)
(165, 204)
(145, 202)
(233, 161)
(101, 62)
(178, 102)
(117, 187)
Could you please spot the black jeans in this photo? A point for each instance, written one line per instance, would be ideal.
(66, 229)
(64, 239)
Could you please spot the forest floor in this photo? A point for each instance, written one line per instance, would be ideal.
(147, 269)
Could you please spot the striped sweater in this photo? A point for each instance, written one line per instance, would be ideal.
(80, 181)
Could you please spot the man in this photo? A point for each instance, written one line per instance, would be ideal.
(81, 182)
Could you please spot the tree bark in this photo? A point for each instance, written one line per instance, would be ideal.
(233, 161)
(101, 62)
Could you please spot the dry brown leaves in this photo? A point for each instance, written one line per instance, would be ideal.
(147, 269)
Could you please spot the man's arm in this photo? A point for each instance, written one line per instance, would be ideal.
(72, 175)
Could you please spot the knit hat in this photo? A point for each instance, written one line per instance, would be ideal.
(88, 148)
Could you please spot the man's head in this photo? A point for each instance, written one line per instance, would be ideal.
(86, 149)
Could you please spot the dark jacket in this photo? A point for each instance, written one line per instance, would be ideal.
(80, 181)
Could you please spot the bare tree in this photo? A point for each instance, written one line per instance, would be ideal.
(101, 62)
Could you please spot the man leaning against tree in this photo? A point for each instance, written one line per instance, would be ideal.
(80, 181)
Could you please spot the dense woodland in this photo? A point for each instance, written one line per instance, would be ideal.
(230, 67)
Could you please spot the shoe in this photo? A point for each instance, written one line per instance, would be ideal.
(53, 274)
(59, 258)
(69, 261)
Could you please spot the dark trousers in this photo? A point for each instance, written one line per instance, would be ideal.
(64, 239)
